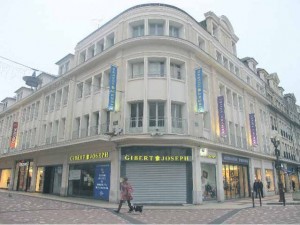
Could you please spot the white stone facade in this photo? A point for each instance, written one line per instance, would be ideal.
(156, 49)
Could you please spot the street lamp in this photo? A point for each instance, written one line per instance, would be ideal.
(276, 142)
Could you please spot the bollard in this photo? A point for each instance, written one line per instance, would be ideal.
(283, 199)
(253, 199)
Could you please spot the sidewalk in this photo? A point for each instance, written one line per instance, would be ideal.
(228, 204)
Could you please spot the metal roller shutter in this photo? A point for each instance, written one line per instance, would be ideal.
(158, 182)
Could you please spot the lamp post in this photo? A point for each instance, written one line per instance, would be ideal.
(276, 143)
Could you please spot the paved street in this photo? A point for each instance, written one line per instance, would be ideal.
(31, 209)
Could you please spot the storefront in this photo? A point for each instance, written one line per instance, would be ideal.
(264, 171)
(158, 174)
(208, 176)
(5, 175)
(235, 176)
(292, 172)
(49, 179)
(23, 175)
(88, 178)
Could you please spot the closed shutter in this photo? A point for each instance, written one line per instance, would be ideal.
(158, 182)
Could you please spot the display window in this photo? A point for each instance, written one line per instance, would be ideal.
(235, 181)
(269, 180)
(89, 180)
(5, 175)
(257, 172)
(23, 175)
(39, 179)
(294, 182)
(208, 181)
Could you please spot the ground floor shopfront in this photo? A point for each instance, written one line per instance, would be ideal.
(159, 174)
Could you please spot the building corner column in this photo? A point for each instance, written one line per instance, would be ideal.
(197, 192)
(220, 185)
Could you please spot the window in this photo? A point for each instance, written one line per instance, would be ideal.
(62, 128)
(238, 136)
(201, 43)
(110, 40)
(229, 97)
(136, 114)
(94, 129)
(173, 31)
(79, 90)
(58, 99)
(206, 121)
(156, 114)
(137, 69)
(231, 67)
(52, 100)
(76, 128)
(235, 100)
(88, 87)
(244, 141)
(37, 110)
(232, 135)
(156, 28)
(156, 68)
(219, 57)
(176, 71)
(236, 71)
(138, 30)
(215, 31)
(248, 80)
(32, 111)
(241, 105)
(91, 52)
(176, 112)
(65, 95)
(225, 62)
(46, 104)
(97, 83)
(82, 57)
(100, 46)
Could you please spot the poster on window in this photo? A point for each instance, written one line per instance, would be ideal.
(199, 90)
(112, 88)
(222, 121)
(102, 182)
(13, 139)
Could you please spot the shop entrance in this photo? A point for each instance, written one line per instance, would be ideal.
(52, 179)
(235, 181)
(24, 175)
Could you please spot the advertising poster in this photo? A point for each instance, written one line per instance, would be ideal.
(221, 111)
(253, 129)
(102, 182)
(14, 135)
(199, 90)
(112, 88)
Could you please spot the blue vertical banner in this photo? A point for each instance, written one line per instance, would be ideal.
(102, 182)
(222, 122)
(199, 90)
(112, 88)
(253, 129)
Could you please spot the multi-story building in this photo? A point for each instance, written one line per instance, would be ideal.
(153, 95)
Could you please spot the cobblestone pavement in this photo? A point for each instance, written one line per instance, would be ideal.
(34, 210)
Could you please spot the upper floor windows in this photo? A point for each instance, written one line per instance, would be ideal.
(156, 68)
(156, 27)
(176, 70)
(138, 28)
(137, 69)
(201, 43)
(100, 46)
(79, 90)
(110, 40)
(91, 52)
(82, 57)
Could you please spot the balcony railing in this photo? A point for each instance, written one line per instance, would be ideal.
(134, 125)
(179, 125)
(84, 133)
(157, 124)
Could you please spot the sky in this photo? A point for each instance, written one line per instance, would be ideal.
(38, 33)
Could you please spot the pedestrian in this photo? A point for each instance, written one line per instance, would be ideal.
(255, 187)
(261, 188)
(126, 195)
(293, 185)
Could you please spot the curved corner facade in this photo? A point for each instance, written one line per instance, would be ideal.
(160, 98)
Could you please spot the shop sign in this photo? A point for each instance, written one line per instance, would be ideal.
(222, 122)
(199, 90)
(253, 129)
(156, 158)
(13, 139)
(207, 154)
(112, 88)
(234, 159)
(89, 156)
(102, 182)
(22, 164)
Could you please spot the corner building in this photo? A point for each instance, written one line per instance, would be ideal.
(155, 96)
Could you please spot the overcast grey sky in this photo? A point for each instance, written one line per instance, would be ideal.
(38, 33)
